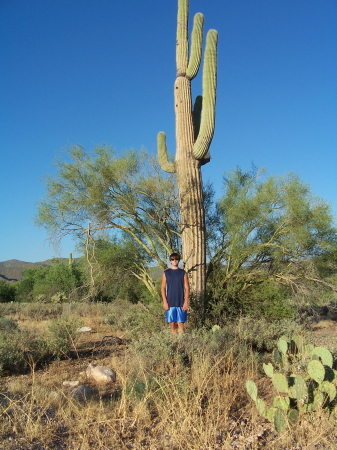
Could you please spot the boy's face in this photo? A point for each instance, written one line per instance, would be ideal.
(174, 262)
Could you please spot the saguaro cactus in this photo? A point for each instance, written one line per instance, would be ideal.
(194, 133)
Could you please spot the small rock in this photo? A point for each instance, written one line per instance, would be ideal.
(82, 393)
(71, 384)
(101, 373)
(83, 329)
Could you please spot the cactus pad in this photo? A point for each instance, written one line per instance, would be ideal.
(282, 345)
(268, 369)
(298, 389)
(281, 402)
(261, 407)
(318, 400)
(293, 416)
(329, 389)
(280, 383)
(280, 420)
(316, 371)
(270, 414)
(251, 389)
(324, 355)
(276, 356)
(297, 344)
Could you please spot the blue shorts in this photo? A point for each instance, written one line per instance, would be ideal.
(176, 314)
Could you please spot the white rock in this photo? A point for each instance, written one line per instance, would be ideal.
(83, 329)
(71, 384)
(101, 373)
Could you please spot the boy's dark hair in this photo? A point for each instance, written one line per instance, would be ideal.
(175, 255)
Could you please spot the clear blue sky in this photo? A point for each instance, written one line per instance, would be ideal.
(102, 72)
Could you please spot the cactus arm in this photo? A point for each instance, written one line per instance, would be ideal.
(201, 145)
(196, 117)
(182, 38)
(196, 47)
(162, 154)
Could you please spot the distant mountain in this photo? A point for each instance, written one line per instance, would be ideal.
(12, 269)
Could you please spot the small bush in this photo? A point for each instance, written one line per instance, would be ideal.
(20, 350)
(8, 325)
(7, 292)
(136, 320)
(11, 354)
(63, 335)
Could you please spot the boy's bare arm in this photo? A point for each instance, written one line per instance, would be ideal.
(163, 292)
(186, 292)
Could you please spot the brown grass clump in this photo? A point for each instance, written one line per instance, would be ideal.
(172, 392)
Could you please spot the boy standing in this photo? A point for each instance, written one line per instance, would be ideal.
(175, 290)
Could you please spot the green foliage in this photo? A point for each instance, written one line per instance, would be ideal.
(266, 236)
(51, 283)
(114, 192)
(297, 394)
(7, 292)
(121, 271)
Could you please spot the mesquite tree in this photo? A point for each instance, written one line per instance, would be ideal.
(194, 133)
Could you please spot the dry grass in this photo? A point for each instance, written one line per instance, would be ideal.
(184, 392)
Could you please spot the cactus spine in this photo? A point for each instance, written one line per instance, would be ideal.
(194, 133)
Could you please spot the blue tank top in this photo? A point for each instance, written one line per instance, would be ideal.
(175, 286)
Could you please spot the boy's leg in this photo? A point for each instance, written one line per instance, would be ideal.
(180, 327)
(173, 327)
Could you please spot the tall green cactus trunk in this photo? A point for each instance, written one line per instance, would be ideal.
(193, 138)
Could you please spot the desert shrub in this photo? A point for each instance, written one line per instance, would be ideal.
(20, 350)
(62, 335)
(160, 352)
(9, 309)
(265, 299)
(7, 292)
(11, 354)
(259, 334)
(36, 311)
(136, 320)
(8, 325)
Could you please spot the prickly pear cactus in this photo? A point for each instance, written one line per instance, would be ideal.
(297, 394)
(194, 133)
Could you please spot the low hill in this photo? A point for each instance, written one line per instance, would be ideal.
(12, 269)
